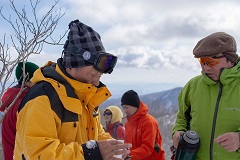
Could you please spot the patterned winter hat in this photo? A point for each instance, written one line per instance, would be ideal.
(219, 42)
(83, 39)
(130, 98)
(30, 68)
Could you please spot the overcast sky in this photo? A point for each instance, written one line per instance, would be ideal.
(153, 39)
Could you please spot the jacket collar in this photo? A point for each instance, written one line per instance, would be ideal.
(227, 75)
(142, 110)
(73, 94)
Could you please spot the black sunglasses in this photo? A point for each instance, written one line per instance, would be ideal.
(107, 113)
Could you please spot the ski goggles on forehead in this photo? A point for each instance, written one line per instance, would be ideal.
(210, 61)
(103, 62)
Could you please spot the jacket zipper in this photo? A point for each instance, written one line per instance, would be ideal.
(215, 119)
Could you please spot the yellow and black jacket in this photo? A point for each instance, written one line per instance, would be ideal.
(56, 132)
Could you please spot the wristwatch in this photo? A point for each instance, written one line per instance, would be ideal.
(92, 144)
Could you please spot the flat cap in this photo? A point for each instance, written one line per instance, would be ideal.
(219, 42)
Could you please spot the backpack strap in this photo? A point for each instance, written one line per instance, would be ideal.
(156, 146)
(115, 130)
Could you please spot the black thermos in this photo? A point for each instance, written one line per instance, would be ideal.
(188, 145)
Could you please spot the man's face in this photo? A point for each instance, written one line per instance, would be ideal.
(85, 75)
(211, 66)
(129, 110)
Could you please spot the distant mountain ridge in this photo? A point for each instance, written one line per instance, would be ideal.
(159, 103)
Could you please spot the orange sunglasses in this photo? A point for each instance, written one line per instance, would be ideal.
(210, 61)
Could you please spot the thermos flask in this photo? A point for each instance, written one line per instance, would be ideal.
(188, 145)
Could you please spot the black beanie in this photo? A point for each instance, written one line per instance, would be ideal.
(130, 98)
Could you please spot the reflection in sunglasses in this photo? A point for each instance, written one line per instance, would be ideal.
(210, 61)
(105, 63)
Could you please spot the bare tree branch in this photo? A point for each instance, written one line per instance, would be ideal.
(30, 33)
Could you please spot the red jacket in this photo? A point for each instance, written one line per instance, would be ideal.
(143, 133)
(119, 130)
(9, 121)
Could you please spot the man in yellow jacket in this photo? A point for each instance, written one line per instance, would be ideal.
(59, 117)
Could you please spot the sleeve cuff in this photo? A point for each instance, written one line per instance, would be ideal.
(238, 132)
(91, 151)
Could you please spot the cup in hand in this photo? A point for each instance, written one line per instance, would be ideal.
(119, 156)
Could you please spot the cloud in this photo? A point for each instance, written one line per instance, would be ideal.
(146, 57)
(154, 36)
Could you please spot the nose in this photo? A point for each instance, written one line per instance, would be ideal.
(206, 66)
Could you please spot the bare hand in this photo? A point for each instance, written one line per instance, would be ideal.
(109, 148)
(176, 137)
(229, 141)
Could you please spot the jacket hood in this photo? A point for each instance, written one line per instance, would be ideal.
(117, 114)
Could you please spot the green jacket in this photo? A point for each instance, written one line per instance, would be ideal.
(213, 108)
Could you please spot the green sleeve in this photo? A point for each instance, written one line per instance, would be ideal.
(184, 106)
